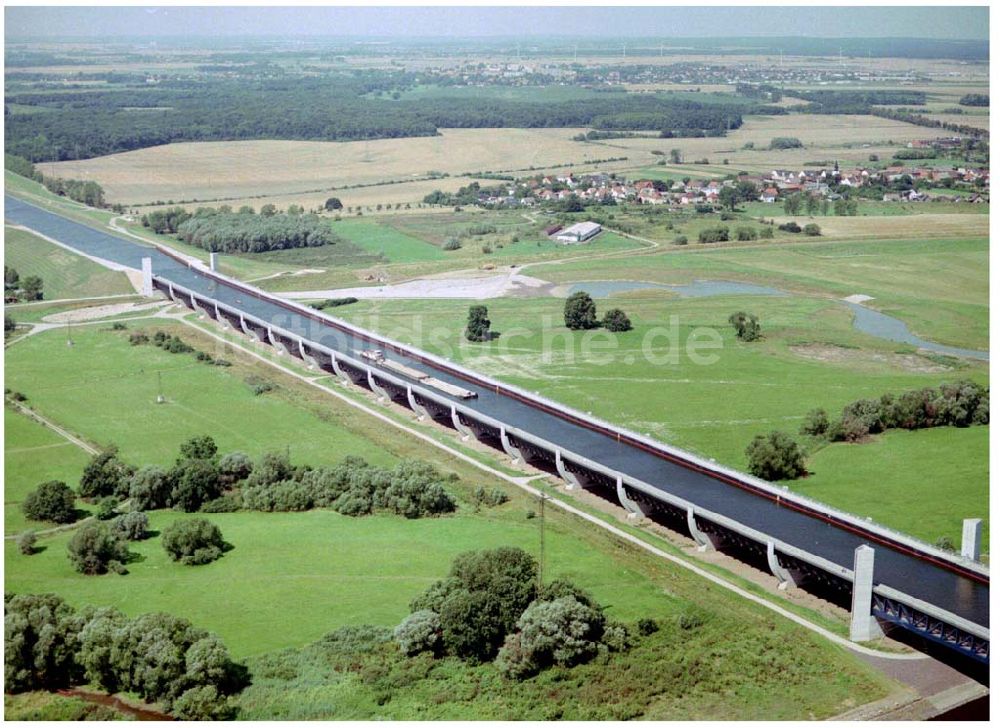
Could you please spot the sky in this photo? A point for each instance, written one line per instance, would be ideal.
(965, 23)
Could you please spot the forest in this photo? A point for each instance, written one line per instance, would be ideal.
(80, 124)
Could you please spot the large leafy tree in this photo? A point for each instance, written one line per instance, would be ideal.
(580, 312)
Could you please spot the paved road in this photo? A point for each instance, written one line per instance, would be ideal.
(956, 593)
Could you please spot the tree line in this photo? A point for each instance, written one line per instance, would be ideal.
(86, 191)
(85, 124)
(244, 231)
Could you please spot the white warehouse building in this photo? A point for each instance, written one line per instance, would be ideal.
(581, 232)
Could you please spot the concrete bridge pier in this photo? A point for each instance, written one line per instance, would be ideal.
(705, 541)
(308, 358)
(339, 371)
(419, 409)
(864, 626)
(515, 454)
(277, 343)
(464, 429)
(147, 277)
(972, 538)
(378, 389)
(172, 294)
(573, 480)
(634, 508)
(250, 331)
(784, 576)
(213, 262)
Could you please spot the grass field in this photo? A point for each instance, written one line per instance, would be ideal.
(337, 570)
(939, 287)
(105, 390)
(811, 357)
(395, 246)
(886, 477)
(32, 455)
(65, 274)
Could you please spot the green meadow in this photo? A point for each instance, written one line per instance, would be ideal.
(64, 274)
(681, 376)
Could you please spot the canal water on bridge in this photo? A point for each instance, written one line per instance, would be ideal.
(908, 574)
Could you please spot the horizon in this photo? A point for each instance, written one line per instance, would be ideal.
(967, 23)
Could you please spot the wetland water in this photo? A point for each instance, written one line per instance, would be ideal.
(866, 320)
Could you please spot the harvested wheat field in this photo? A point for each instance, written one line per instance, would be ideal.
(209, 170)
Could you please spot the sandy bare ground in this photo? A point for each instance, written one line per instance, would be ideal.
(464, 285)
(91, 313)
(829, 353)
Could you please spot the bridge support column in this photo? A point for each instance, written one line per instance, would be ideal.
(172, 294)
(972, 532)
(704, 541)
(339, 371)
(147, 277)
(515, 454)
(466, 431)
(635, 510)
(783, 575)
(312, 361)
(864, 626)
(277, 343)
(378, 389)
(419, 409)
(250, 331)
(213, 261)
(572, 479)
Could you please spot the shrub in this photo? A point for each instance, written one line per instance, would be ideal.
(234, 467)
(563, 632)
(945, 544)
(94, 547)
(617, 637)
(419, 632)
(746, 324)
(259, 385)
(868, 412)
(811, 229)
(26, 543)
(137, 338)
(775, 456)
(203, 703)
(202, 447)
(106, 474)
(767, 233)
(193, 541)
(133, 526)
(714, 235)
(681, 240)
(746, 233)
(790, 227)
(194, 482)
(647, 626)
(222, 504)
(106, 508)
(150, 489)
(616, 320)
(51, 501)
(816, 423)
(580, 313)
(785, 143)
(452, 243)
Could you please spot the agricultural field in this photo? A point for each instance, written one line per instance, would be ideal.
(65, 275)
(209, 170)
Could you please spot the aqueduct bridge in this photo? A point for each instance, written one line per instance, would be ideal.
(884, 576)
